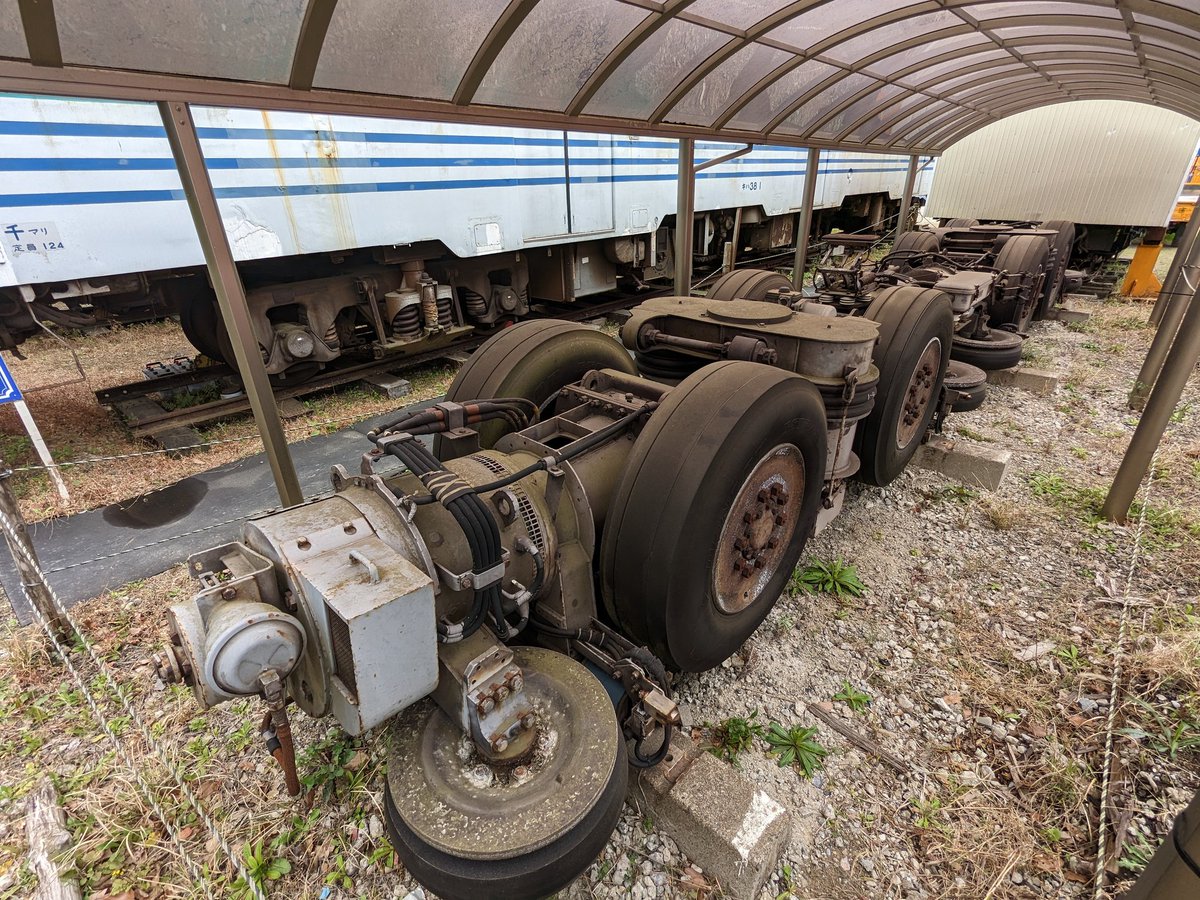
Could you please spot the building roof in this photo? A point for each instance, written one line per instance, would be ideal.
(882, 75)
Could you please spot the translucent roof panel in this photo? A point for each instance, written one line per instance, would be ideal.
(815, 25)
(871, 42)
(252, 40)
(969, 42)
(776, 97)
(1017, 8)
(740, 14)
(801, 121)
(382, 46)
(834, 126)
(12, 38)
(708, 99)
(857, 74)
(561, 43)
(645, 78)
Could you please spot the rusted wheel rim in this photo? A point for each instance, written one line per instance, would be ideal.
(919, 393)
(758, 529)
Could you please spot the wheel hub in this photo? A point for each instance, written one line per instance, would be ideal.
(758, 529)
(452, 799)
(919, 393)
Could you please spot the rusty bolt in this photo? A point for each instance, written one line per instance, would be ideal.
(780, 519)
(758, 562)
(501, 694)
(739, 544)
(499, 745)
(783, 495)
(228, 593)
(762, 496)
(520, 772)
(772, 543)
(528, 721)
(747, 518)
(486, 705)
(517, 683)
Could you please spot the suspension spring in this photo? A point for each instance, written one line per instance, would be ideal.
(406, 324)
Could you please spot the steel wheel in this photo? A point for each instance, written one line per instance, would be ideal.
(533, 360)
(915, 328)
(747, 284)
(721, 490)
(199, 319)
(465, 829)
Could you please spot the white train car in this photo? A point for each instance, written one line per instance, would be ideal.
(95, 226)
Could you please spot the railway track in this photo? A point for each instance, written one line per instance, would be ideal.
(144, 417)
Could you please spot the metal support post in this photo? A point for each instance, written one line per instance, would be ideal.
(685, 206)
(1178, 367)
(25, 558)
(1167, 296)
(231, 296)
(735, 239)
(1178, 297)
(910, 184)
(806, 211)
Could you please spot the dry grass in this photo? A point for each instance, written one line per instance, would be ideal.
(78, 429)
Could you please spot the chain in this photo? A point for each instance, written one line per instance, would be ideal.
(1118, 663)
(119, 693)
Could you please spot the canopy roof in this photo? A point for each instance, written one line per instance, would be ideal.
(884, 75)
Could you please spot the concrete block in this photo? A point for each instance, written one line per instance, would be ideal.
(971, 464)
(727, 825)
(388, 385)
(1069, 316)
(1036, 381)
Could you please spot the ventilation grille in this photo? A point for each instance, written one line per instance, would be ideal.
(533, 525)
(343, 654)
(491, 465)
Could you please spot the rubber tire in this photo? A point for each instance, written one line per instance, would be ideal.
(682, 476)
(964, 378)
(909, 318)
(537, 874)
(916, 241)
(1055, 278)
(747, 284)
(961, 223)
(1000, 350)
(200, 321)
(533, 359)
(1027, 254)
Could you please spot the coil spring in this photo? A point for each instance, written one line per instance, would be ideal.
(475, 305)
(429, 308)
(406, 324)
(331, 337)
(445, 316)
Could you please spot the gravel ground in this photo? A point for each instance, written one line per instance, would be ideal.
(980, 658)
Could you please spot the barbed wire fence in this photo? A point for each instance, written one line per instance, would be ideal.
(104, 689)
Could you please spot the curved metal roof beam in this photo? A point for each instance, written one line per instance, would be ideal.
(865, 63)
(41, 32)
(763, 27)
(317, 16)
(504, 28)
(640, 34)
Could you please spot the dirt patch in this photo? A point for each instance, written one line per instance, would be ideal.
(980, 655)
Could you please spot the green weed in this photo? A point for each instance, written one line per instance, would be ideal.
(734, 736)
(836, 578)
(795, 746)
(852, 697)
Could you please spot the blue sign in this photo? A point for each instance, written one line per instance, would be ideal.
(9, 392)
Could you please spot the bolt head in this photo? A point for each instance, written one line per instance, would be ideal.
(528, 721)
(501, 694)
(486, 705)
(228, 593)
(499, 745)
(517, 683)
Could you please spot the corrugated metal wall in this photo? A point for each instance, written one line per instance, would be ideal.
(1102, 162)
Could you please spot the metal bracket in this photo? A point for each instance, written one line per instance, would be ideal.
(465, 581)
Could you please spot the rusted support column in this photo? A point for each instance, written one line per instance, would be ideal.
(910, 184)
(1167, 296)
(685, 211)
(231, 296)
(806, 212)
(25, 558)
(1179, 364)
(1177, 295)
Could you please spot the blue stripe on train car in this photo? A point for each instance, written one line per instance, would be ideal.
(78, 198)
